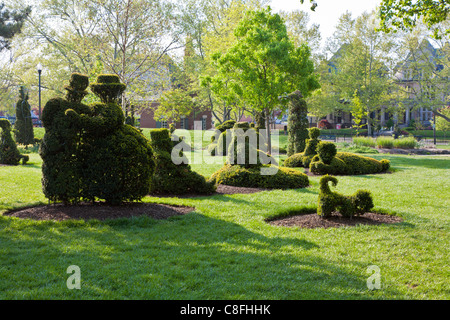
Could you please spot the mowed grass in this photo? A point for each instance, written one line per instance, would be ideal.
(226, 250)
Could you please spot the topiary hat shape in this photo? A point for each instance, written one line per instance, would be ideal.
(108, 87)
(77, 87)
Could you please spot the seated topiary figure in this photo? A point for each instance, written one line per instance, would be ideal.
(246, 165)
(328, 161)
(9, 154)
(348, 206)
(171, 178)
(303, 159)
(88, 152)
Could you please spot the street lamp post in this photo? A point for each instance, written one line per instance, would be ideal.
(39, 70)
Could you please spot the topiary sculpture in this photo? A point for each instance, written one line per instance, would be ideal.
(171, 178)
(9, 154)
(348, 206)
(23, 127)
(303, 159)
(297, 123)
(246, 164)
(88, 152)
(328, 161)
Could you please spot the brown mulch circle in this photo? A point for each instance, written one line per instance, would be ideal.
(221, 190)
(99, 211)
(313, 220)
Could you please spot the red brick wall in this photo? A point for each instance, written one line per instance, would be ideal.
(147, 120)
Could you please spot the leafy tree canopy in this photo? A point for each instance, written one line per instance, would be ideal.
(11, 22)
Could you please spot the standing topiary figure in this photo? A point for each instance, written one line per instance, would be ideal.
(297, 123)
(171, 178)
(8, 148)
(89, 152)
(303, 159)
(24, 125)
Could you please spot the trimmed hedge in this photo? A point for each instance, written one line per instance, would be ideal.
(348, 206)
(345, 163)
(297, 123)
(89, 153)
(303, 159)
(170, 178)
(23, 128)
(9, 154)
(252, 178)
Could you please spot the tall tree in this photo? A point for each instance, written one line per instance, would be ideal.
(11, 22)
(263, 63)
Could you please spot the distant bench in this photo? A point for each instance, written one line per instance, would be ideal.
(328, 137)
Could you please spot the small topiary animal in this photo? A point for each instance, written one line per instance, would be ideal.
(348, 206)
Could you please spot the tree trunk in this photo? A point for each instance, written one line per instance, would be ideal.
(369, 124)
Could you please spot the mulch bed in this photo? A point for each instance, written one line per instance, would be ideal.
(221, 190)
(312, 220)
(99, 211)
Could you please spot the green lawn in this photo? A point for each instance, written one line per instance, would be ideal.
(225, 249)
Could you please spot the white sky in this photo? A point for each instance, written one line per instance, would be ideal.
(327, 12)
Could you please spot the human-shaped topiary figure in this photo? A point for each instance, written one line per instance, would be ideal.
(297, 123)
(172, 178)
(303, 159)
(9, 154)
(88, 152)
(244, 150)
(23, 127)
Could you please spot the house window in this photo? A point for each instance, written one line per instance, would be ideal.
(204, 123)
(164, 124)
(182, 123)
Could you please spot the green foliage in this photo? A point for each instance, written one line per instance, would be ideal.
(404, 14)
(108, 87)
(244, 147)
(364, 142)
(171, 178)
(11, 22)
(385, 142)
(229, 124)
(297, 123)
(348, 206)
(303, 159)
(441, 123)
(88, 152)
(326, 151)
(9, 154)
(251, 177)
(23, 128)
(349, 164)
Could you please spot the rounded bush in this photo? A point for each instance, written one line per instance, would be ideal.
(252, 178)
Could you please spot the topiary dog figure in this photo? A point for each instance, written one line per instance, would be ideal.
(348, 206)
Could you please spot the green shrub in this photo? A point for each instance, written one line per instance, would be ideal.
(349, 164)
(405, 143)
(171, 178)
(229, 124)
(252, 178)
(297, 123)
(9, 154)
(303, 159)
(348, 206)
(326, 151)
(385, 142)
(89, 153)
(108, 87)
(23, 128)
(364, 142)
